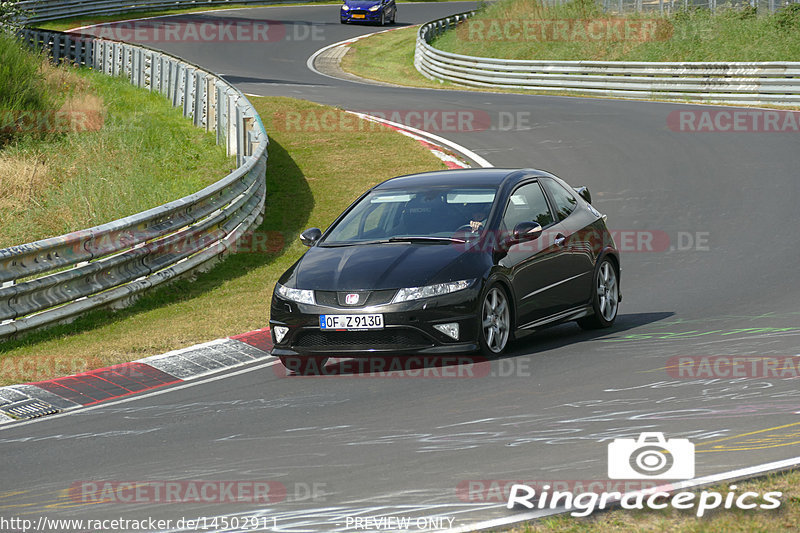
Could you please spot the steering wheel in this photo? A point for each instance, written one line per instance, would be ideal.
(467, 228)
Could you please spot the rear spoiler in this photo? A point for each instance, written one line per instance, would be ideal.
(584, 193)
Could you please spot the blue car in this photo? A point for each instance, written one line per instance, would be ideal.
(377, 11)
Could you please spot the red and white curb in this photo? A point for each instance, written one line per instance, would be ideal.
(438, 145)
(450, 160)
(42, 398)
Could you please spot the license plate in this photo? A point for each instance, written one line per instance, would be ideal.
(359, 16)
(351, 322)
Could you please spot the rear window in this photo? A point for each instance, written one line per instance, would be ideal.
(565, 200)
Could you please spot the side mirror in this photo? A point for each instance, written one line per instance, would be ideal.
(310, 236)
(584, 193)
(526, 231)
(523, 232)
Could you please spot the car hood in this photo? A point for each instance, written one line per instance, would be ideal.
(383, 266)
(361, 4)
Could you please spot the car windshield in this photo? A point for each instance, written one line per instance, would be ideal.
(443, 214)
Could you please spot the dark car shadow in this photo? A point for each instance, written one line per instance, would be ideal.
(453, 365)
(570, 333)
(238, 80)
(477, 365)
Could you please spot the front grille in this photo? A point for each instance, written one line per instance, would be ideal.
(358, 12)
(387, 338)
(367, 298)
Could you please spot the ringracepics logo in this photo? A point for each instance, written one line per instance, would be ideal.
(651, 459)
(205, 30)
(650, 456)
(565, 30)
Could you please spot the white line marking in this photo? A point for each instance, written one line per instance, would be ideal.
(450, 144)
(313, 57)
(157, 392)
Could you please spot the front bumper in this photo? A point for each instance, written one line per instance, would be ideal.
(368, 16)
(408, 327)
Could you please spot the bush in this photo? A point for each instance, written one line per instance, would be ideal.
(787, 18)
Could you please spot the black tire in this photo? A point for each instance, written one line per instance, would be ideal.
(494, 321)
(394, 17)
(304, 365)
(342, 21)
(605, 297)
(382, 22)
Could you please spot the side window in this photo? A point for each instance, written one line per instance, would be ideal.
(565, 201)
(527, 204)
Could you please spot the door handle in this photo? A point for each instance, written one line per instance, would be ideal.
(560, 239)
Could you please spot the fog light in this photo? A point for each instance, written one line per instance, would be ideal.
(451, 329)
(280, 332)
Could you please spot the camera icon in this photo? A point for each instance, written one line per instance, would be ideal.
(651, 457)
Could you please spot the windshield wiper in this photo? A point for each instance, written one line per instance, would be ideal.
(425, 239)
(410, 238)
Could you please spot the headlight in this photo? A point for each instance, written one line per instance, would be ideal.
(416, 293)
(295, 295)
(345, 8)
(375, 7)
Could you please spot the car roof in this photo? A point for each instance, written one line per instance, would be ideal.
(470, 177)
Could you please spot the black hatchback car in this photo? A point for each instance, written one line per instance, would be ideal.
(447, 262)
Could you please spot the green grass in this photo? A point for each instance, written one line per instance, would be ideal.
(312, 175)
(695, 35)
(22, 85)
(136, 152)
(387, 57)
(785, 518)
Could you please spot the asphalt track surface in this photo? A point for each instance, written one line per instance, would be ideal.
(548, 409)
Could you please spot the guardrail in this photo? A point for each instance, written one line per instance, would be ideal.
(55, 279)
(775, 83)
(44, 10)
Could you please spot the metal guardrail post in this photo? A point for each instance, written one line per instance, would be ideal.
(776, 83)
(211, 105)
(52, 280)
